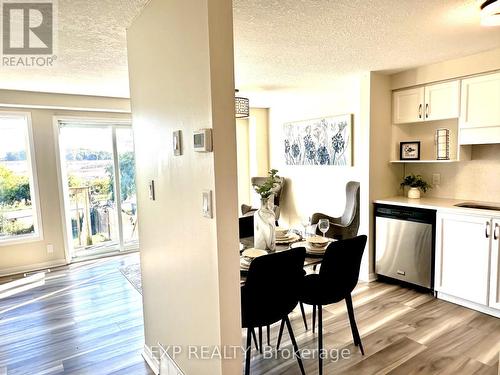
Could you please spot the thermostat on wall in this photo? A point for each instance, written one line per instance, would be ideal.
(202, 140)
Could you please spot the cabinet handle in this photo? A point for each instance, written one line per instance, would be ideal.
(487, 230)
(420, 111)
(496, 232)
(427, 110)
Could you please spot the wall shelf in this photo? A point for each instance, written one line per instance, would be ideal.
(422, 161)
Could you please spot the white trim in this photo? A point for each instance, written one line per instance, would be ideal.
(21, 239)
(96, 121)
(63, 108)
(152, 362)
(471, 305)
(117, 188)
(172, 365)
(34, 190)
(63, 192)
(21, 282)
(368, 278)
(33, 178)
(32, 267)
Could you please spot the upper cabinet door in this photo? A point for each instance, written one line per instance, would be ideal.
(495, 267)
(480, 101)
(462, 256)
(408, 105)
(442, 101)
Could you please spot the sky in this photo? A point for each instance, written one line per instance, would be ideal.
(95, 139)
(12, 135)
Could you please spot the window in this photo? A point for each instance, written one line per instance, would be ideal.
(19, 213)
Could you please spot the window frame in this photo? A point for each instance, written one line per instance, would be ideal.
(37, 235)
(57, 121)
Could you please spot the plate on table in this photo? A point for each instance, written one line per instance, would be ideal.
(290, 237)
(253, 253)
(311, 250)
(317, 241)
(245, 263)
(281, 232)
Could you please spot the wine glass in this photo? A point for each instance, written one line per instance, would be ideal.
(323, 226)
(305, 221)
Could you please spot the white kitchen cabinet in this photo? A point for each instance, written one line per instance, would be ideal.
(495, 267)
(462, 256)
(480, 110)
(408, 105)
(442, 101)
(428, 103)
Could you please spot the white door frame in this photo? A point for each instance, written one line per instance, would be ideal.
(61, 172)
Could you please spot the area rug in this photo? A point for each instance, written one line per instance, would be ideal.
(133, 274)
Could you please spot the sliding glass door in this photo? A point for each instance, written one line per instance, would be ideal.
(98, 179)
(128, 197)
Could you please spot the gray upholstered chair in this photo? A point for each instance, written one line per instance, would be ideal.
(347, 225)
(247, 210)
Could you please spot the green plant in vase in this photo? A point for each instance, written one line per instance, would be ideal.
(416, 183)
(266, 189)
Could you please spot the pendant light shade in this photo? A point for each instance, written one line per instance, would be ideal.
(242, 106)
(490, 13)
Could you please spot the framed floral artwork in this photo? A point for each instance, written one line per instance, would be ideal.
(322, 141)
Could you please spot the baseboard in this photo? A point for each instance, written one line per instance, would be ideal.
(32, 267)
(370, 278)
(21, 282)
(152, 362)
(468, 304)
(167, 364)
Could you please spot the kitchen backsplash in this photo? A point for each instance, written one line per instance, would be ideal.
(477, 179)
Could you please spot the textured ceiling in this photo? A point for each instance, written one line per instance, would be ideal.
(279, 44)
(285, 44)
(92, 51)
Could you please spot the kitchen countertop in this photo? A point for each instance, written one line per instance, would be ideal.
(441, 204)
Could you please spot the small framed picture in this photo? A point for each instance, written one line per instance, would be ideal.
(177, 142)
(409, 150)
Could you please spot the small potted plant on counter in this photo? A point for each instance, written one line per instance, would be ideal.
(416, 183)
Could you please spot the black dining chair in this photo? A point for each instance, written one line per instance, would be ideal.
(335, 282)
(246, 226)
(270, 293)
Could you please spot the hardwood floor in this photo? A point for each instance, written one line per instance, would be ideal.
(403, 332)
(85, 319)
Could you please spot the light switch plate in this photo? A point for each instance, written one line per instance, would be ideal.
(177, 142)
(207, 204)
(436, 179)
(152, 195)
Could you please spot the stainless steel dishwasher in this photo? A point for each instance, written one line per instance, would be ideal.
(404, 244)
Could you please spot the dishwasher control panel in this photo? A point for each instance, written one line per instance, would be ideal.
(406, 213)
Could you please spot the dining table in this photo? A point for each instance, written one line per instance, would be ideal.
(310, 261)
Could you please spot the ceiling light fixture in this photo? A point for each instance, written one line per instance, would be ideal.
(242, 106)
(490, 13)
